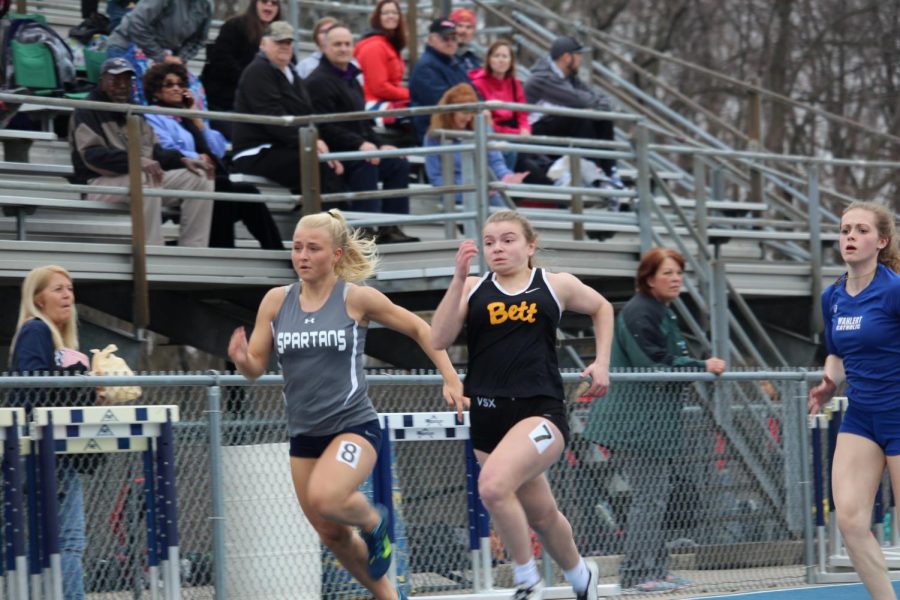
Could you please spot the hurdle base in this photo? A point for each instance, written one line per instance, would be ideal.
(891, 558)
(557, 592)
(846, 576)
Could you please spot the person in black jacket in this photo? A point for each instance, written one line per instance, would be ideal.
(335, 89)
(269, 86)
(99, 143)
(233, 50)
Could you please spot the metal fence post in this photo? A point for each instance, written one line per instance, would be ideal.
(719, 309)
(448, 200)
(700, 201)
(806, 476)
(577, 206)
(754, 133)
(310, 188)
(479, 178)
(412, 32)
(645, 196)
(815, 249)
(141, 306)
(217, 516)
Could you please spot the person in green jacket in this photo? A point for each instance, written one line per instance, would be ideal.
(641, 422)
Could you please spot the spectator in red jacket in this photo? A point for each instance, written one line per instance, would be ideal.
(497, 81)
(378, 56)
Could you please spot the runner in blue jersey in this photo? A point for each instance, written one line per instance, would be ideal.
(862, 331)
(317, 328)
(518, 417)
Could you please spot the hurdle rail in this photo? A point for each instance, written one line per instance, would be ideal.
(833, 564)
(13, 431)
(83, 430)
(413, 427)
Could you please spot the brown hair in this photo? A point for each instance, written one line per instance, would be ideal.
(397, 38)
(323, 23)
(650, 263)
(156, 76)
(884, 223)
(253, 25)
(461, 93)
(527, 228)
(512, 58)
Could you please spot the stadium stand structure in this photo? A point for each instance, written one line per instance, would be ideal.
(730, 209)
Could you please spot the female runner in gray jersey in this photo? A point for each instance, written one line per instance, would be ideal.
(517, 420)
(317, 328)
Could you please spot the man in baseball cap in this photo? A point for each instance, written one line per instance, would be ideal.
(565, 44)
(279, 31)
(436, 71)
(554, 81)
(116, 66)
(99, 142)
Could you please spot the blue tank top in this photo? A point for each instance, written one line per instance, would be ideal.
(864, 330)
(321, 356)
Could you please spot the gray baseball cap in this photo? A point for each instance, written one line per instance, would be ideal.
(279, 31)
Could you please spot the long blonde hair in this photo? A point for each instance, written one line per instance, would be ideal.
(884, 223)
(360, 258)
(34, 283)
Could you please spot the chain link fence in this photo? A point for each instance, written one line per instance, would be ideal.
(735, 518)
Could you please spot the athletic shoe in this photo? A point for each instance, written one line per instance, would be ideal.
(379, 545)
(590, 593)
(534, 591)
(615, 182)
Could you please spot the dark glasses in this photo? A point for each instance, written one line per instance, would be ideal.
(170, 84)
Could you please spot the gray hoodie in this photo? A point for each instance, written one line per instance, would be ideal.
(547, 86)
(161, 27)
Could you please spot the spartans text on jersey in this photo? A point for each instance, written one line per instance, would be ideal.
(325, 338)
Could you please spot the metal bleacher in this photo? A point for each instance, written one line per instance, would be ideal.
(702, 193)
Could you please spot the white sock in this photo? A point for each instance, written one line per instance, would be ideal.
(579, 577)
(526, 574)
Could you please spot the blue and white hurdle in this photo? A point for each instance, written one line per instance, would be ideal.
(102, 429)
(833, 564)
(14, 561)
(425, 427)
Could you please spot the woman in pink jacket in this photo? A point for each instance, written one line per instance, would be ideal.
(378, 55)
(497, 81)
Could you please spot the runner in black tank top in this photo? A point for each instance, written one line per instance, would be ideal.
(511, 336)
(517, 418)
(334, 441)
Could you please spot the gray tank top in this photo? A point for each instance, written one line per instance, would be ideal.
(320, 354)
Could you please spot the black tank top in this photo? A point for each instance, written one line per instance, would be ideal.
(512, 340)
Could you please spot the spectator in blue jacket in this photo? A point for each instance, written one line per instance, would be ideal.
(166, 85)
(436, 71)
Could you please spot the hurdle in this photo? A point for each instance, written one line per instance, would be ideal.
(104, 429)
(425, 427)
(13, 432)
(833, 564)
